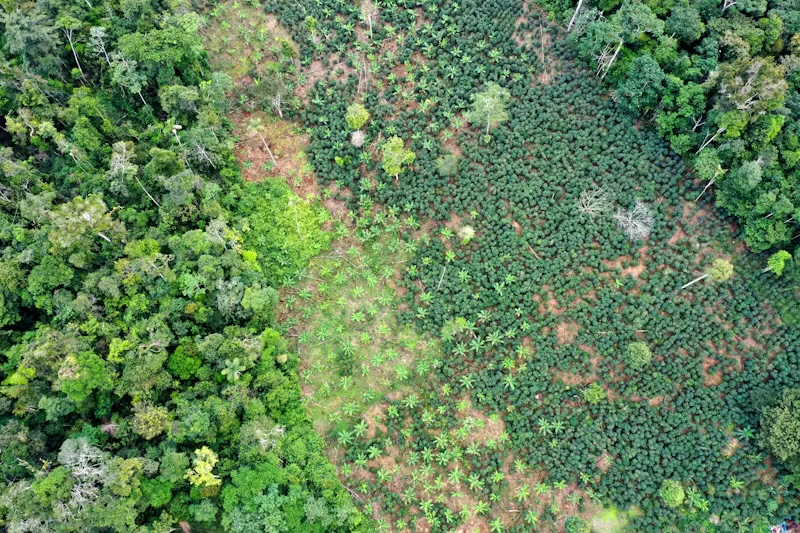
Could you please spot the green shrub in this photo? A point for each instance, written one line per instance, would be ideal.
(576, 524)
(594, 393)
(672, 493)
(638, 355)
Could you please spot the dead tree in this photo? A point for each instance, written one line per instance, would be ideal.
(605, 59)
(69, 33)
(594, 202)
(636, 223)
(709, 139)
(711, 182)
(575, 15)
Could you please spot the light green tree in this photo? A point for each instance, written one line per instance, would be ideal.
(721, 270)
(201, 475)
(149, 420)
(125, 74)
(594, 393)
(357, 115)
(395, 156)
(777, 262)
(489, 107)
(72, 220)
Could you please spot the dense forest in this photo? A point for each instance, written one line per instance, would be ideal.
(143, 382)
(399, 265)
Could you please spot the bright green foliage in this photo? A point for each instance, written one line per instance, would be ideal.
(203, 463)
(594, 393)
(81, 374)
(357, 115)
(233, 369)
(284, 229)
(489, 107)
(672, 493)
(395, 156)
(777, 261)
(637, 355)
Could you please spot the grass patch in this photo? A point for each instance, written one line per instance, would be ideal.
(242, 39)
(342, 315)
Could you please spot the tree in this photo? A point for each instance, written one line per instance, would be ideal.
(122, 168)
(708, 167)
(201, 474)
(72, 220)
(575, 15)
(69, 25)
(82, 373)
(685, 23)
(638, 355)
(753, 85)
(635, 19)
(777, 262)
(447, 164)
(124, 73)
(395, 156)
(721, 270)
(489, 107)
(357, 115)
(594, 202)
(149, 420)
(780, 428)
(30, 33)
(643, 85)
(178, 100)
(97, 40)
(672, 493)
(357, 138)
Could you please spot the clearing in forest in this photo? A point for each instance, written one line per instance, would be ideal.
(556, 296)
